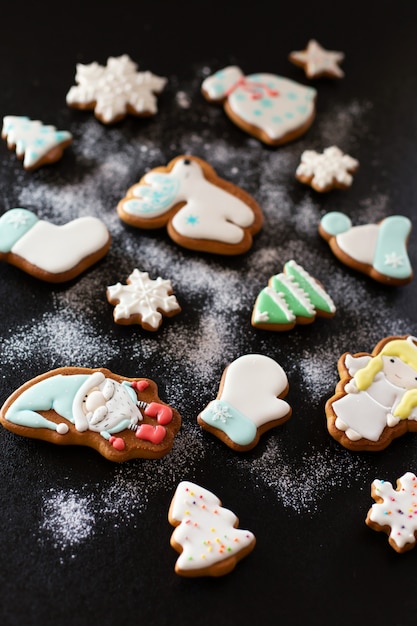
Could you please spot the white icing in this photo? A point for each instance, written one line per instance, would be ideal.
(32, 139)
(398, 508)
(325, 169)
(143, 296)
(314, 285)
(279, 300)
(359, 242)
(115, 87)
(296, 291)
(317, 60)
(55, 249)
(209, 212)
(252, 99)
(206, 530)
(252, 385)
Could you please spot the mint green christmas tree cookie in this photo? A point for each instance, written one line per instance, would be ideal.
(291, 297)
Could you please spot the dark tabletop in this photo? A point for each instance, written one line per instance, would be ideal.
(86, 541)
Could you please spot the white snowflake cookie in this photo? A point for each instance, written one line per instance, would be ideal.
(395, 511)
(115, 90)
(249, 402)
(318, 62)
(206, 534)
(35, 143)
(329, 170)
(143, 300)
(377, 250)
(271, 108)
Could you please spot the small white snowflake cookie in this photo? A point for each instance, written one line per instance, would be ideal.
(395, 511)
(143, 300)
(35, 143)
(115, 90)
(327, 170)
(318, 62)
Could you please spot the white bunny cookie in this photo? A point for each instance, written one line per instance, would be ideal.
(249, 402)
(200, 210)
(50, 252)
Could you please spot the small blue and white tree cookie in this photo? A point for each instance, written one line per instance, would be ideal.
(249, 402)
(378, 250)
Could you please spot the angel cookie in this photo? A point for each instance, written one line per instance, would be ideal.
(115, 90)
(377, 250)
(206, 534)
(35, 143)
(249, 402)
(375, 400)
(291, 297)
(273, 109)
(200, 210)
(122, 418)
(50, 252)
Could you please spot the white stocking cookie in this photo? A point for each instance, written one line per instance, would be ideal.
(269, 107)
(52, 253)
(121, 418)
(206, 534)
(249, 402)
(375, 400)
(377, 250)
(200, 210)
(35, 143)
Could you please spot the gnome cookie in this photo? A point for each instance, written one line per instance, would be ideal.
(200, 210)
(122, 418)
(273, 109)
(378, 250)
(49, 252)
(249, 402)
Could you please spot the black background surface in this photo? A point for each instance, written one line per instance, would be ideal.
(85, 541)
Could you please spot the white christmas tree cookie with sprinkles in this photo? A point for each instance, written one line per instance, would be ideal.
(122, 418)
(51, 252)
(377, 250)
(200, 210)
(206, 534)
(271, 108)
(395, 511)
(291, 297)
(318, 62)
(249, 402)
(332, 169)
(375, 400)
(115, 90)
(143, 300)
(34, 142)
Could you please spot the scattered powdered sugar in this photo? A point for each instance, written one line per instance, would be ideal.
(189, 353)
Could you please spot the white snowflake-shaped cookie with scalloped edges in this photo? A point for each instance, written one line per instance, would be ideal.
(326, 171)
(115, 90)
(395, 511)
(142, 300)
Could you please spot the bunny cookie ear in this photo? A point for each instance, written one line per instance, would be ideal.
(249, 402)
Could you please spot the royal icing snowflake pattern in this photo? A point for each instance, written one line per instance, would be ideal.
(115, 90)
(318, 62)
(206, 534)
(272, 108)
(143, 300)
(395, 511)
(36, 143)
(332, 168)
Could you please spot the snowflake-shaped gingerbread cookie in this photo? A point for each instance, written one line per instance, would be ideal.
(143, 300)
(318, 62)
(395, 511)
(115, 90)
(329, 170)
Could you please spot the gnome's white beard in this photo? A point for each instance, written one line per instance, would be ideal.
(108, 405)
